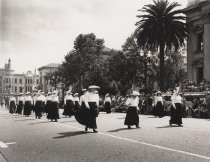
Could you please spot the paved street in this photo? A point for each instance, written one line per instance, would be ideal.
(26, 139)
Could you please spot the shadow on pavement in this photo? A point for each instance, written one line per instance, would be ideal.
(168, 126)
(39, 122)
(24, 119)
(68, 121)
(119, 129)
(121, 118)
(70, 134)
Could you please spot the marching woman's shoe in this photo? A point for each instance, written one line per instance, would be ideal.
(129, 127)
(86, 129)
(95, 131)
(170, 123)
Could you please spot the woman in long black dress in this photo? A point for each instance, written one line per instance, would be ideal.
(132, 117)
(107, 103)
(76, 102)
(20, 104)
(53, 113)
(38, 106)
(28, 104)
(12, 104)
(48, 102)
(68, 104)
(176, 109)
(159, 108)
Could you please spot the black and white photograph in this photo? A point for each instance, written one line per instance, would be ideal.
(104, 80)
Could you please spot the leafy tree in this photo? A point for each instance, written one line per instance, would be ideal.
(161, 25)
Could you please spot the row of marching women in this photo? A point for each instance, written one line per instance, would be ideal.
(23, 105)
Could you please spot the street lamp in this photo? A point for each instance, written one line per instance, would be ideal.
(145, 57)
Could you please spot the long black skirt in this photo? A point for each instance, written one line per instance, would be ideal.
(47, 106)
(159, 110)
(53, 112)
(108, 107)
(82, 116)
(176, 114)
(20, 108)
(12, 107)
(68, 108)
(132, 117)
(38, 109)
(27, 108)
(86, 116)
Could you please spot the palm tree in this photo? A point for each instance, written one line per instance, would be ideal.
(161, 27)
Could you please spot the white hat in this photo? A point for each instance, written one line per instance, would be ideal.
(11, 93)
(54, 92)
(39, 91)
(21, 94)
(76, 94)
(27, 93)
(93, 87)
(84, 89)
(49, 93)
(107, 94)
(135, 93)
(42, 93)
(158, 92)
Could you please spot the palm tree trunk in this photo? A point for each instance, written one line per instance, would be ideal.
(162, 79)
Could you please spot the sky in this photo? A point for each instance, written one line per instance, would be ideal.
(34, 33)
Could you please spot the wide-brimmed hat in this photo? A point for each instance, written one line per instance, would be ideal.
(27, 93)
(93, 87)
(84, 90)
(76, 94)
(20, 93)
(158, 92)
(54, 92)
(107, 94)
(39, 91)
(42, 93)
(11, 93)
(49, 93)
(135, 93)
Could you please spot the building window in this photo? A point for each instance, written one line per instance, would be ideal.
(21, 89)
(15, 80)
(37, 82)
(15, 89)
(199, 44)
(20, 81)
(26, 81)
(6, 80)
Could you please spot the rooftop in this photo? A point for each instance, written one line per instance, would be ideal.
(48, 66)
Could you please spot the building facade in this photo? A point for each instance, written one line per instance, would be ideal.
(45, 85)
(11, 82)
(198, 43)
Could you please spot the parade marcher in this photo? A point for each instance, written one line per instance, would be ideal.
(107, 103)
(76, 102)
(20, 104)
(159, 108)
(53, 113)
(12, 104)
(28, 104)
(132, 117)
(176, 109)
(38, 105)
(208, 103)
(68, 104)
(44, 101)
(34, 100)
(149, 105)
(92, 103)
(48, 102)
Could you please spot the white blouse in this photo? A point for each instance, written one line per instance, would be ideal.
(107, 99)
(55, 98)
(92, 97)
(28, 98)
(157, 99)
(176, 99)
(68, 97)
(12, 99)
(134, 102)
(49, 98)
